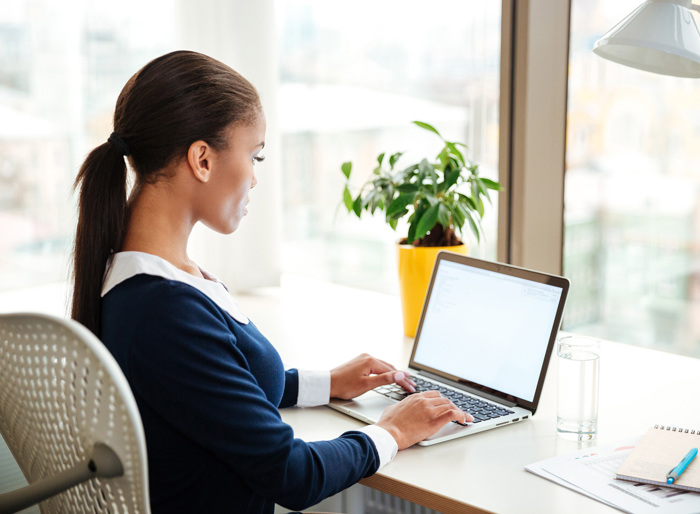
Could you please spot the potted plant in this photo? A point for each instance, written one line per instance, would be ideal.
(437, 198)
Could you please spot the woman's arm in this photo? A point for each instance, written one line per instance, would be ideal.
(188, 367)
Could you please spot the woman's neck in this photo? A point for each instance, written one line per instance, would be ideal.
(159, 224)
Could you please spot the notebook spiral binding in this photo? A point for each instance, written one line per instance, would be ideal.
(676, 429)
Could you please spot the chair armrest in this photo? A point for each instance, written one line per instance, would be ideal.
(103, 463)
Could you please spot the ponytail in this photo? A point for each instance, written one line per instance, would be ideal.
(101, 223)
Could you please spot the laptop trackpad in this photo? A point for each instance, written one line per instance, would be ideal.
(370, 408)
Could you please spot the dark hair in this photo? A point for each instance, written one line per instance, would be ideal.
(173, 101)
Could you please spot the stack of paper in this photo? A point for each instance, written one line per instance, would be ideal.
(592, 472)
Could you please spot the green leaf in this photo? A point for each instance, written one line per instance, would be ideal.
(451, 177)
(396, 216)
(458, 216)
(393, 223)
(426, 172)
(419, 211)
(369, 197)
(443, 156)
(468, 201)
(483, 189)
(475, 226)
(480, 207)
(407, 188)
(373, 201)
(357, 206)
(380, 158)
(425, 126)
(395, 157)
(452, 164)
(347, 199)
(430, 199)
(400, 203)
(389, 192)
(477, 198)
(346, 168)
(455, 152)
(407, 174)
(425, 169)
(412, 232)
(427, 221)
(444, 215)
(492, 185)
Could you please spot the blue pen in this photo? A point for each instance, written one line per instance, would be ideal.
(673, 475)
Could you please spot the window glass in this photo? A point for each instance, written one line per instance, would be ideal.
(62, 65)
(352, 78)
(350, 84)
(632, 210)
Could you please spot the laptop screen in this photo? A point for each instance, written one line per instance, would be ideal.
(490, 327)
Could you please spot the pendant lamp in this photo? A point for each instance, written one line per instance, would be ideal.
(660, 36)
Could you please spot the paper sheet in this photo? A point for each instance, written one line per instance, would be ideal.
(592, 472)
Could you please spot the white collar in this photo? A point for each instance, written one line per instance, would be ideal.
(124, 265)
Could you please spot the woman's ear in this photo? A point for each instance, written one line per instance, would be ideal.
(199, 159)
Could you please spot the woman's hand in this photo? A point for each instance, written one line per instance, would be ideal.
(420, 416)
(363, 374)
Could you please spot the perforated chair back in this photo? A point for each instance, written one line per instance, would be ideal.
(61, 392)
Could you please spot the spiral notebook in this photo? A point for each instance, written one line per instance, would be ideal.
(659, 451)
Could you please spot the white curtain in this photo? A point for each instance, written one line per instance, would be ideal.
(241, 34)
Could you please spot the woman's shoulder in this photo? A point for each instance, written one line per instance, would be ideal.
(153, 296)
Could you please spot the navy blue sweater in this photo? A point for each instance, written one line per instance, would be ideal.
(208, 389)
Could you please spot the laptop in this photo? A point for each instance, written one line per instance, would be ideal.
(484, 340)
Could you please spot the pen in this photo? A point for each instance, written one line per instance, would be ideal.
(673, 475)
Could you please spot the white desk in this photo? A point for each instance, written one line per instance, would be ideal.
(317, 325)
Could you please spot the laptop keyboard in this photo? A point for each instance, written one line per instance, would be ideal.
(478, 408)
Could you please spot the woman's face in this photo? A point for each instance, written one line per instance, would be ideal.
(233, 176)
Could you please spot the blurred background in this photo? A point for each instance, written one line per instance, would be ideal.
(347, 82)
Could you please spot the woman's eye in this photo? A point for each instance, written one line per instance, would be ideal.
(258, 158)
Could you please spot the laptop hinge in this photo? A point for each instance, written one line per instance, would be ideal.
(471, 390)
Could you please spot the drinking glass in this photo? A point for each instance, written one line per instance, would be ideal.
(579, 369)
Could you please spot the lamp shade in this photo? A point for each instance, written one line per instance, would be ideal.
(660, 36)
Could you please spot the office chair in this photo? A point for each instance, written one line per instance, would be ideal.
(70, 420)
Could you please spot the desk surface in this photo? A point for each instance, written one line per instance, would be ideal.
(317, 326)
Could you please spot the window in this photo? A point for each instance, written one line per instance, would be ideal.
(350, 84)
(352, 78)
(62, 66)
(632, 240)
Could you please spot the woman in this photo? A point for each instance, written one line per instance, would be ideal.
(207, 382)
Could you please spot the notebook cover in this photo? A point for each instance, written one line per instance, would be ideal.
(658, 452)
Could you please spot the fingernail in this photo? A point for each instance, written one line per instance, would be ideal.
(399, 376)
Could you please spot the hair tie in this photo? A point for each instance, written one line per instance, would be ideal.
(119, 143)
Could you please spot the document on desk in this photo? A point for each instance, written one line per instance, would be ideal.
(592, 472)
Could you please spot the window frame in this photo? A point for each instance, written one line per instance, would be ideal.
(532, 159)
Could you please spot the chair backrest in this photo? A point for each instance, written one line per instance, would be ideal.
(61, 391)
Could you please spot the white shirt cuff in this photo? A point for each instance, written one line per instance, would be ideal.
(314, 388)
(384, 442)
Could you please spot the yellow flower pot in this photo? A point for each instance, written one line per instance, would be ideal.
(415, 269)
